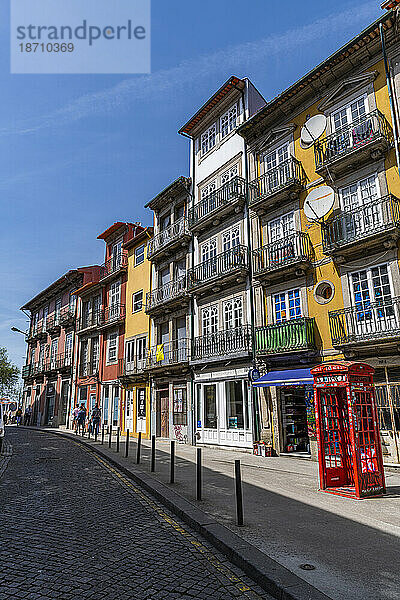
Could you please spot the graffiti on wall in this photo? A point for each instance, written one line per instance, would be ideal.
(180, 433)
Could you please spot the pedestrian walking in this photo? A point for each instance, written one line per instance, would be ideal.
(28, 415)
(81, 419)
(95, 419)
(18, 416)
(75, 417)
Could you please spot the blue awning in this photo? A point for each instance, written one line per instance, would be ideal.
(281, 378)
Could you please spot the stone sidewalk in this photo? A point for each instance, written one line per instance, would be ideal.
(352, 545)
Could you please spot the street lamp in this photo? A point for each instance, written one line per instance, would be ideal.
(19, 330)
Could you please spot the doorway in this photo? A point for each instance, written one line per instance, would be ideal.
(162, 414)
(294, 421)
(129, 411)
(62, 411)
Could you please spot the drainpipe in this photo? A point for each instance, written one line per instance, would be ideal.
(391, 101)
(192, 387)
(254, 393)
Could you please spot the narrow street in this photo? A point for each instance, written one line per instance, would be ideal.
(73, 528)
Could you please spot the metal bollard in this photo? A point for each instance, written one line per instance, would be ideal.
(198, 474)
(172, 465)
(127, 444)
(239, 496)
(102, 434)
(109, 435)
(118, 430)
(153, 454)
(139, 443)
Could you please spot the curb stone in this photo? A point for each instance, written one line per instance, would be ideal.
(275, 579)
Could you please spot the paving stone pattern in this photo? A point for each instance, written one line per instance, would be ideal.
(73, 528)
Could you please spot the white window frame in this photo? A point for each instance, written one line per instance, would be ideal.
(113, 335)
(228, 121)
(230, 238)
(114, 294)
(137, 305)
(230, 174)
(139, 256)
(208, 249)
(349, 116)
(358, 183)
(276, 156)
(209, 319)
(280, 221)
(287, 308)
(233, 313)
(208, 139)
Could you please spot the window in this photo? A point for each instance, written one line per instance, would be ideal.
(95, 352)
(165, 222)
(53, 353)
(164, 276)
(57, 310)
(106, 396)
(228, 121)
(179, 212)
(139, 255)
(210, 320)
(229, 174)
(372, 298)
(68, 344)
(231, 238)
(180, 407)
(276, 157)
(114, 294)
(287, 306)
(96, 304)
(281, 228)
(236, 405)
(233, 313)
(208, 190)
(358, 200)
(116, 255)
(141, 348)
(112, 347)
(72, 303)
(208, 138)
(351, 113)
(359, 193)
(115, 405)
(137, 301)
(45, 315)
(84, 355)
(209, 250)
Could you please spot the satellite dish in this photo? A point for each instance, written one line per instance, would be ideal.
(312, 130)
(319, 202)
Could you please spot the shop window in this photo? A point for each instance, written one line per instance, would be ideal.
(180, 407)
(235, 405)
(210, 406)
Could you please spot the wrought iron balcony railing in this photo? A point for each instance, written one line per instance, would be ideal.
(222, 343)
(64, 360)
(376, 216)
(169, 353)
(53, 322)
(284, 175)
(114, 265)
(131, 367)
(67, 315)
(37, 368)
(355, 136)
(112, 314)
(89, 319)
(294, 248)
(168, 236)
(88, 369)
(26, 371)
(227, 262)
(228, 193)
(365, 322)
(170, 291)
(289, 336)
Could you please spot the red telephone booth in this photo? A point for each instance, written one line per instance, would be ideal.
(349, 446)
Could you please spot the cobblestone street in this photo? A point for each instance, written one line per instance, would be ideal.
(74, 528)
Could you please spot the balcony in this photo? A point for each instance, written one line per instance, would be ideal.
(170, 239)
(169, 356)
(364, 140)
(114, 265)
(228, 199)
(283, 259)
(364, 229)
(88, 369)
(282, 183)
(224, 270)
(26, 371)
(112, 315)
(171, 295)
(39, 332)
(89, 320)
(297, 336)
(222, 345)
(64, 361)
(132, 370)
(53, 324)
(366, 324)
(37, 370)
(67, 316)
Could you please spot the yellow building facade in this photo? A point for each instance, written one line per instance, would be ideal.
(327, 288)
(133, 375)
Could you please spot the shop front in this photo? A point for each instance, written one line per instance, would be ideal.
(223, 413)
(293, 419)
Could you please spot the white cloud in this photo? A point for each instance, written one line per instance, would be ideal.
(235, 59)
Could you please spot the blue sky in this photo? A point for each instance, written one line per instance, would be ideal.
(79, 152)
